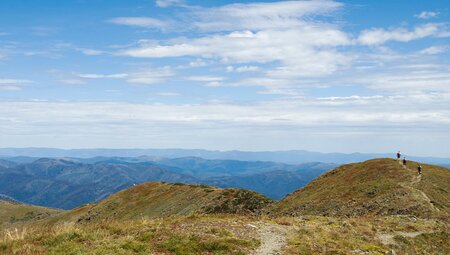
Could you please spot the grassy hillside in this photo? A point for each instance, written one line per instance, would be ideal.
(374, 187)
(153, 199)
(191, 235)
(401, 235)
(13, 213)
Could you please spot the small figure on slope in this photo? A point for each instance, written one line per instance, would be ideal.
(404, 161)
(419, 169)
(399, 155)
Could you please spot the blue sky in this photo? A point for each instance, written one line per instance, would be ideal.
(346, 76)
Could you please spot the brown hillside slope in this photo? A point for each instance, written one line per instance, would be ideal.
(154, 199)
(374, 187)
(12, 213)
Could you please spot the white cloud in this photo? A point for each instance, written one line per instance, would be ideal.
(167, 3)
(435, 50)
(205, 78)
(409, 81)
(150, 75)
(287, 32)
(307, 50)
(12, 84)
(10, 88)
(427, 15)
(103, 76)
(379, 36)
(197, 63)
(140, 22)
(73, 81)
(168, 94)
(419, 108)
(244, 69)
(214, 84)
(273, 86)
(261, 16)
(276, 124)
(91, 52)
(208, 81)
(13, 81)
(140, 76)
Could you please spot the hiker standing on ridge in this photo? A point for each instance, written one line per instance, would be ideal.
(404, 161)
(399, 155)
(419, 169)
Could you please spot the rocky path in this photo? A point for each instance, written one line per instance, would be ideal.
(410, 185)
(273, 239)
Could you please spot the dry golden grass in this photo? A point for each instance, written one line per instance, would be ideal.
(227, 234)
(219, 234)
(367, 235)
(375, 187)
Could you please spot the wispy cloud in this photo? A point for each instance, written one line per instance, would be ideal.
(73, 81)
(243, 69)
(12, 84)
(143, 75)
(340, 112)
(205, 78)
(168, 94)
(91, 52)
(14, 81)
(379, 36)
(427, 15)
(103, 76)
(435, 50)
(140, 22)
(10, 88)
(167, 3)
(410, 81)
(259, 16)
(297, 49)
(150, 76)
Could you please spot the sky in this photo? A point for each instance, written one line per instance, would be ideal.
(328, 76)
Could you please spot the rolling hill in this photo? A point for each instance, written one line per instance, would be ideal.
(13, 212)
(156, 199)
(375, 187)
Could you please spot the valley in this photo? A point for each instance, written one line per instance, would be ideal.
(67, 183)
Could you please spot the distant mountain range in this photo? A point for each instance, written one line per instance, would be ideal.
(288, 157)
(67, 183)
(8, 199)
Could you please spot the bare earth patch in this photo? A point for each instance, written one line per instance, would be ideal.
(273, 239)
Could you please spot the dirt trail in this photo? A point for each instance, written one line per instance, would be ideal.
(273, 239)
(415, 180)
(387, 239)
